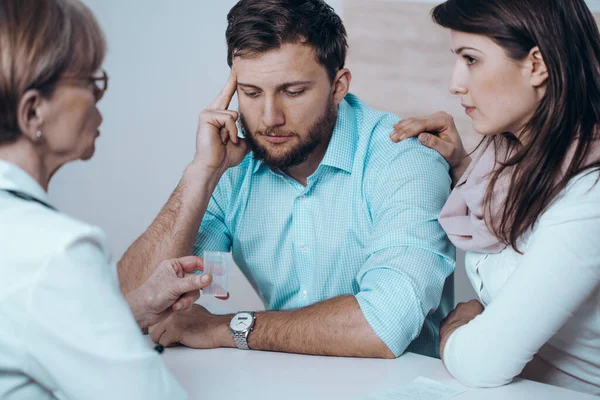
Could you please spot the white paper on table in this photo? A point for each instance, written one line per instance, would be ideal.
(419, 389)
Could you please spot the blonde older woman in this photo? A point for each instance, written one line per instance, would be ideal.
(65, 329)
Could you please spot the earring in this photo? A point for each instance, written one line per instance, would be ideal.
(39, 135)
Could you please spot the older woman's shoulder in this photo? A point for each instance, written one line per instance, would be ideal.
(36, 231)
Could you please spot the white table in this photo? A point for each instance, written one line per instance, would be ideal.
(231, 374)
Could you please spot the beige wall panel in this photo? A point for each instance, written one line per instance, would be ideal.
(401, 61)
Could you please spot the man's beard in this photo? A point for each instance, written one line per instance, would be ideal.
(318, 132)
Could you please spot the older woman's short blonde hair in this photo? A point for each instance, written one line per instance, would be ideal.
(42, 41)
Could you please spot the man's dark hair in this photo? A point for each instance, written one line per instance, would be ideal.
(258, 26)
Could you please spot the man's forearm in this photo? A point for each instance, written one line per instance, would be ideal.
(335, 327)
(174, 230)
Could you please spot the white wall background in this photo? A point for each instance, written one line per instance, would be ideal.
(166, 60)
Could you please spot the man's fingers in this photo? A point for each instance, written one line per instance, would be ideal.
(234, 114)
(186, 301)
(224, 98)
(156, 332)
(169, 338)
(232, 131)
(224, 134)
(225, 123)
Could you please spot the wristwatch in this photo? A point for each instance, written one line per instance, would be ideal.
(240, 326)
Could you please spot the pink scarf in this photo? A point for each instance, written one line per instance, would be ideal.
(462, 215)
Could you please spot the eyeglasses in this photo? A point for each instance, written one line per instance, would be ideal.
(100, 83)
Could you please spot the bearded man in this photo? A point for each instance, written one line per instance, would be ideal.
(333, 223)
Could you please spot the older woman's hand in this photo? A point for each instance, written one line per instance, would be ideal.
(438, 132)
(172, 287)
(461, 315)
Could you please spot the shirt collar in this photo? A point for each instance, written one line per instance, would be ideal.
(14, 178)
(342, 146)
(257, 165)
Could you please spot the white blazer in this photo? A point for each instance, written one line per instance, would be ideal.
(66, 331)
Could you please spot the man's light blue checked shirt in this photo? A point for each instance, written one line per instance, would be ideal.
(364, 225)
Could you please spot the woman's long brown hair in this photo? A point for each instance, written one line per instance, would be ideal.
(565, 121)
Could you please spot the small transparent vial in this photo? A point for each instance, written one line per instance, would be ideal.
(217, 264)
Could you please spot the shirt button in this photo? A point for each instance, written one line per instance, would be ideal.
(304, 293)
(303, 247)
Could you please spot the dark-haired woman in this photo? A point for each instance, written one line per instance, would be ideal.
(526, 204)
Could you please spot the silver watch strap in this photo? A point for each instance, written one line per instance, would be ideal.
(241, 340)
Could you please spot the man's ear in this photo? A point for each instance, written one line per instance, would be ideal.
(341, 85)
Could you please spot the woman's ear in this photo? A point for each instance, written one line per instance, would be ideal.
(29, 114)
(341, 85)
(537, 67)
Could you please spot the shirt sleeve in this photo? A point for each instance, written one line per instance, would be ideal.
(409, 256)
(81, 337)
(558, 273)
(214, 234)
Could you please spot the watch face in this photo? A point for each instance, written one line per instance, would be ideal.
(241, 322)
